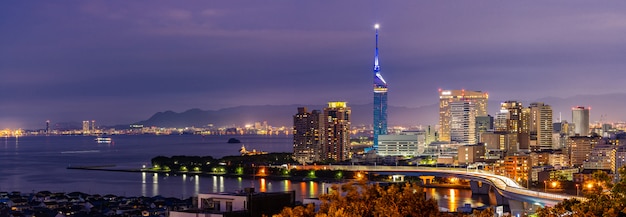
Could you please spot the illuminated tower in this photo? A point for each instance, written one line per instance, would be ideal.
(336, 136)
(380, 99)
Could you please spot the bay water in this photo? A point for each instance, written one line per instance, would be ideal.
(37, 163)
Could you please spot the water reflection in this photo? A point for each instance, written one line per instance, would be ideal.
(155, 184)
(263, 186)
(286, 185)
(313, 189)
(196, 186)
(452, 198)
(446, 198)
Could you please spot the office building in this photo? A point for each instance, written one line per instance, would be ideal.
(483, 124)
(463, 122)
(580, 119)
(579, 148)
(541, 126)
(307, 135)
(469, 154)
(380, 98)
(500, 141)
(405, 144)
(336, 136)
(477, 99)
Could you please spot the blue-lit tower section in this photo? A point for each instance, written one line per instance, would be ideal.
(380, 99)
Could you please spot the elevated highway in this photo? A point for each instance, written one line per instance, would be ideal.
(508, 192)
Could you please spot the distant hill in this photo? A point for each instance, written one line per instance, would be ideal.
(612, 106)
(282, 115)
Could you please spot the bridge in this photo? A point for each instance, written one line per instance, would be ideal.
(507, 191)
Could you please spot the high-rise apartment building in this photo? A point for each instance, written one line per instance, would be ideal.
(580, 119)
(93, 126)
(336, 125)
(541, 125)
(380, 99)
(477, 98)
(307, 135)
(47, 127)
(85, 127)
(463, 122)
(515, 119)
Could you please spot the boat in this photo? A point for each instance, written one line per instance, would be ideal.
(103, 140)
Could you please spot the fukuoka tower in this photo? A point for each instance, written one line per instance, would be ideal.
(380, 98)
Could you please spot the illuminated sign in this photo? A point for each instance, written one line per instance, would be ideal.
(337, 104)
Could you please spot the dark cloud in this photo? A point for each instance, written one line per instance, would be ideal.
(121, 61)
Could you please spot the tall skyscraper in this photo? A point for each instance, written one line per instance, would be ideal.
(477, 98)
(463, 122)
(380, 98)
(48, 127)
(307, 135)
(515, 118)
(541, 125)
(336, 137)
(580, 119)
(85, 127)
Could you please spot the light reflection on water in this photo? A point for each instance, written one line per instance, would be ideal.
(449, 198)
(53, 154)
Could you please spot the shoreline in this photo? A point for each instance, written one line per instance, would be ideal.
(110, 168)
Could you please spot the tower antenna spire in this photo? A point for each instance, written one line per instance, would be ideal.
(376, 65)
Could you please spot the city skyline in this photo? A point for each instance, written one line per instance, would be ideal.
(123, 62)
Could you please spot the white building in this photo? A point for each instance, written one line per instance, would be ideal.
(406, 144)
(463, 122)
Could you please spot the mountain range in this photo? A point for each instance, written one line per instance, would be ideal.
(606, 107)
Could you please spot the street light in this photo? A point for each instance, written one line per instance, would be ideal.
(545, 186)
(577, 189)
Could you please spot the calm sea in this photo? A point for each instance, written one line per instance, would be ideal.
(37, 163)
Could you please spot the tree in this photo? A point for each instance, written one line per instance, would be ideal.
(356, 199)
(604, 199)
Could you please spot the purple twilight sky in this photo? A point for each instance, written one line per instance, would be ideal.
(122, 61)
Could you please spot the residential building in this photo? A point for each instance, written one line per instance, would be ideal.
(602, 157)
(307, 135)
(247, 203)
(336, 125)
